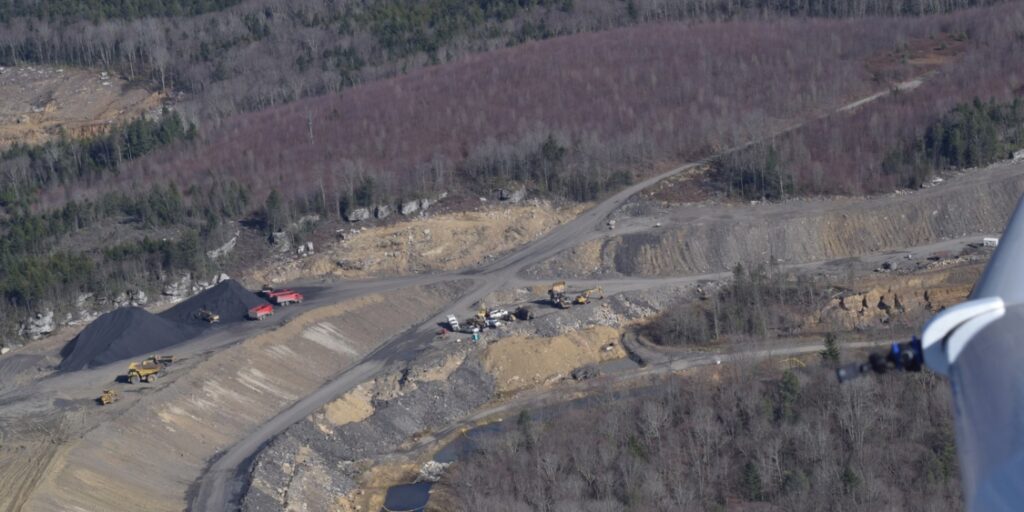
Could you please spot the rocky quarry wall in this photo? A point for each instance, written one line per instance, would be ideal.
(715, 238)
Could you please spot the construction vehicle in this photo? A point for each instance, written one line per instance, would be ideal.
(164, 361)
(260, 312)
(584, 296)
(147, 370)
(481, 312)
(208, 316)
(108, 397)
(557, 295)
(475, 324)
(453, 323)
(265, 291)
(286, 297)
(524, 313)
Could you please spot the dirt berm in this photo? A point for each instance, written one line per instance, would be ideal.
(703, 238)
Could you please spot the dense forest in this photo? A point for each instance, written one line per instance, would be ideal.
(260, 53)
(541, 113)
(742, 438)
(755, 303)
(37, 269)
(973, 134)
(68, 162)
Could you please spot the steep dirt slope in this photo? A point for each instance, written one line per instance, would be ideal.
(148, 459)
(701, 238)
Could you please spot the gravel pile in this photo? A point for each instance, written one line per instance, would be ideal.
(121, 334)
(229, 299)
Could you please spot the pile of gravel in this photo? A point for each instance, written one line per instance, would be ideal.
(229, 299)
(121, 334)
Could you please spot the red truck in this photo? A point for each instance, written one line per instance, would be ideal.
(260, 312)
(281, 297)
(285, 297)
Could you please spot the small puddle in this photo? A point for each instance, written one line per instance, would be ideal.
(407, 497)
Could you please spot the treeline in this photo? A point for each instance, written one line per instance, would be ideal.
(67, 162)
(756, 303)
(745, 438)
(264, 52)
(40, 266)
(572, 117)
(965, 115)
(66, 11)
(973, 134)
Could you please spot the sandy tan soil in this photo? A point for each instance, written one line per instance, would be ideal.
(38, 102)
(442, 242)
(351, 407)
(522, 362)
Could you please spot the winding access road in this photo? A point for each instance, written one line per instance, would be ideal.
(223, 479)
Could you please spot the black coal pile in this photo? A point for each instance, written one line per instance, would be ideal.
(228, 299)
(121, 334)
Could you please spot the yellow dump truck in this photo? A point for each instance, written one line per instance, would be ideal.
(148, 369)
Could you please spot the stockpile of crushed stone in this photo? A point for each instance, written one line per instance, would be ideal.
(228, 299)
(121, 334)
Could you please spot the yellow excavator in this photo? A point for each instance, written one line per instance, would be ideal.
(584, 296)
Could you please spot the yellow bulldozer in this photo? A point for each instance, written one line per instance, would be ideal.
(585, 295)
(148, 369)
(108, 397)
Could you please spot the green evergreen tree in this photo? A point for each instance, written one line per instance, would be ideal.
(750, 482)
(831, 352)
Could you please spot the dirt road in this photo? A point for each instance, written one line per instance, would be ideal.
(223, 478)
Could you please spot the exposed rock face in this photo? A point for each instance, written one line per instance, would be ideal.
(409, 208)
(184, 286)
(702, 240)
(358, 214)
(424, 204)
(223, 250)
(281, 241)
(178, 288)
(382, 211)
(512, 196)
(139, 298)
(39, 325)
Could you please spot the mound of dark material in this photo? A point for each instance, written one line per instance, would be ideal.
(121, 334)
(228, 299)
